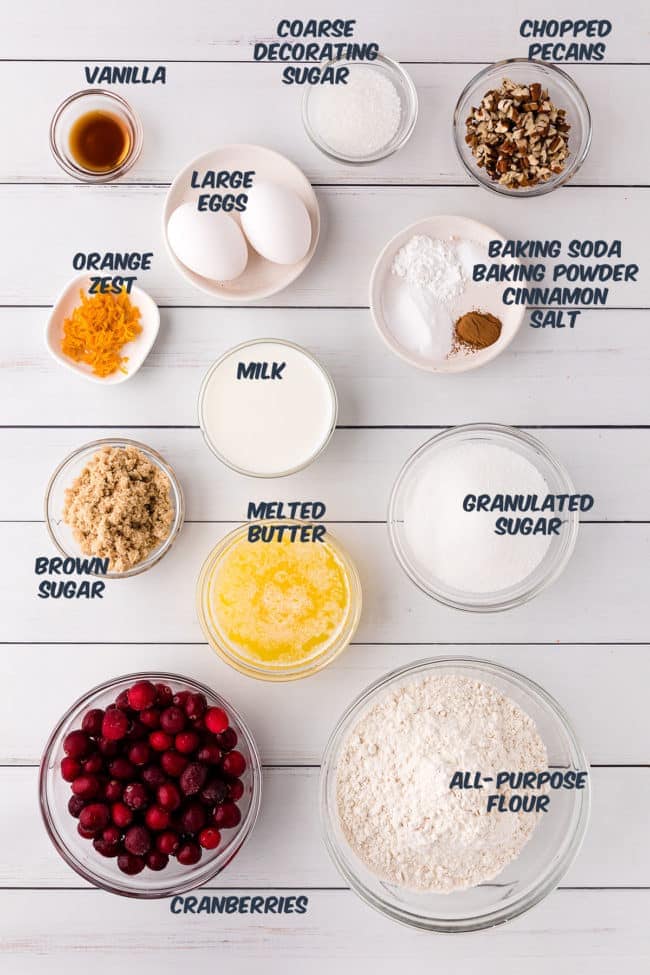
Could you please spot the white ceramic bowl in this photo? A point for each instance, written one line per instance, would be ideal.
(486, 297)
(137, 351)
(260, 278)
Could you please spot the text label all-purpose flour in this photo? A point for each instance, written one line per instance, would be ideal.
(267, 408)
(394, 802)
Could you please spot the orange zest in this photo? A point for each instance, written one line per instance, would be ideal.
(97, 330)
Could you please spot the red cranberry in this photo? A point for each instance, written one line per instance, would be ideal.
(113, 790)
(233, 764)
(189, 854)
(121, 701)
(77, 744)
(195, 706)
(227, 816)
(216, 720)
(173, 763)
(210, 754)
(108, 748)
(236, 790)
(104, 848)
(135, 796)
(86, 786)
(70, 768)
(142, 695)
(210, 838)
(193, 778)
(150, 718)
(168, 796)
(92, 722)
(75, 805)
(130, 864)
(121, 768)
(187, 742)
(157, 818)
(136, 730)
(227, 739)
(167, 842)
(154, 776)
(95, 816)
(156, 860)
(88, 834)
(193, 818)
(137, 840)
(172, 720)
(214, 791)
(93, 764)
(160, 741)
(179, 698)
(164, 695)
(115, 724)
(139, 753)
(121, 815)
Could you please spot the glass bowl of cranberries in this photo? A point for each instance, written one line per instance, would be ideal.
(149, 785)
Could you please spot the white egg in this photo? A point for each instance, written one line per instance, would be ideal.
(210, 244)
(277, 223)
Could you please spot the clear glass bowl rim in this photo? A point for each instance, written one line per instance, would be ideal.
(155, 457)
(297, 671)
(569, 539)
(496, 917)
(289, 345)
(413, 104)
(210, 868)
(86, 175)
(542, 188)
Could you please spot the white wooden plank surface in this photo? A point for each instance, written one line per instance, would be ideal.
(602, 686)
(586, 639)
(174, 120)
(354, 477)
(595, 600)
(356, 224)
(285, 849)
(412, 31)
(598, 932)
(595, 373)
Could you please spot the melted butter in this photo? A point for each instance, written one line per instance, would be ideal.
(280, 602)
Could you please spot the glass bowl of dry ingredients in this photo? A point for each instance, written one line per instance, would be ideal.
(160, 805)
(366, 119)
(279, 604)
(490, 556)
(114, 499)
(522, 127)
(95, 136)
(432, 856)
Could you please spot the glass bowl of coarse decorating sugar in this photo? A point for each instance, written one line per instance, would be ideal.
(365, 117)
(483, 517)
(455, 794)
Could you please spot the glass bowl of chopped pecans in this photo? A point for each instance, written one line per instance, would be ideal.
(522, 127)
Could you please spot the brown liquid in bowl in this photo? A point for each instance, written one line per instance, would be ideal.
(99, 141)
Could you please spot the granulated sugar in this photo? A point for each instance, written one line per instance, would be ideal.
(393, 797)
(461, 548)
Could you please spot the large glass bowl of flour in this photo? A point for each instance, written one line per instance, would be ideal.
(389, 763)
(455, 555)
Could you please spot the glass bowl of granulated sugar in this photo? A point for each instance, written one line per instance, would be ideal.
(411, 811)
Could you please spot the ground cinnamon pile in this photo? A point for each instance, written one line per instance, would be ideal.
(477, 330)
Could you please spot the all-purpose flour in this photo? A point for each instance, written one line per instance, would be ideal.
(393, 797)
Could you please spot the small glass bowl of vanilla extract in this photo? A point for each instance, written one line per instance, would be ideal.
(95, 136)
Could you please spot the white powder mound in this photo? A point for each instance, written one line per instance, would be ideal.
(358, 118)
(460, 548)
(431, 264)
(394, 802)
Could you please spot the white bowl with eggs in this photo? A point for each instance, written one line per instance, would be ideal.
(243, 256)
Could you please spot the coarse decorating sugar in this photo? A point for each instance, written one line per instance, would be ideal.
(359, 118)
